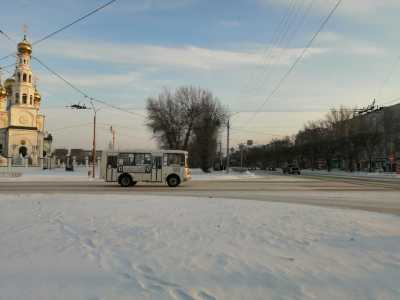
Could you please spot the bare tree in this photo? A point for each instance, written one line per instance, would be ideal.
(166, 120)
(188, 119)
(210, 119)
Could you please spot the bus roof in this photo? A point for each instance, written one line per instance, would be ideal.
(146, 151)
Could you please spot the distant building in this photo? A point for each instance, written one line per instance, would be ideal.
(81, 156)
(60, 154)
(387, 122)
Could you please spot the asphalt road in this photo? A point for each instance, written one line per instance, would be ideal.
(379, 195)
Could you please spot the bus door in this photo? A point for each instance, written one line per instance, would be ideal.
(111, 171)
(156, 171)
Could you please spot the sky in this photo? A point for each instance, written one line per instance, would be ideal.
(239, 50)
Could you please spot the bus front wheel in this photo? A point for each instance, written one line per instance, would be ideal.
(173, 181)
(125, 181)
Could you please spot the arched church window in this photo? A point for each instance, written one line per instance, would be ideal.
(19, 76)
(24, 98)
(31, 99)
(24, 77)
(17, 98)
(30, 78)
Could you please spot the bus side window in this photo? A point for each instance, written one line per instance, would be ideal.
(126, 159)
(147, 159)
(157, 163)
(139, 159)
(112, 161)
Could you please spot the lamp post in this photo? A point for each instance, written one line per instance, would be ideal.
(94, 110)
(228, 128)
(112, 130)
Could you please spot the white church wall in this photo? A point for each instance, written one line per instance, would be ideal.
(18, 138)
(3, 119)
(19, 114)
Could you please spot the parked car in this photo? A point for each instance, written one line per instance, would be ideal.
(291, 170)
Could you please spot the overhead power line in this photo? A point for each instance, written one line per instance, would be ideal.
(83, 93)
(10, 40)
(92, 12)
(67, 82)
(299, 58)
(7, 66)
(7, 36)
(391, 101)
(274, 40)
(389, 76)
(290, 34)
(257, 132)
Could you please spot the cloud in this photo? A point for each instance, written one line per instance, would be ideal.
(146, 5)
(350, 8)
(190, 57)
(230, 23)
(129, 86)
(95, 80)
(339, 43)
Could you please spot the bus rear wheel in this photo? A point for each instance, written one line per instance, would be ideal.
(125, 181)
(173, 181)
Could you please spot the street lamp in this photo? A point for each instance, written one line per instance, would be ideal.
(94, 110)
(228, 127)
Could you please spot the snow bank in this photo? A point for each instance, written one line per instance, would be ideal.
(38, 174)
(350, 174)
(198, 174)
(81, 174)
(143, 247)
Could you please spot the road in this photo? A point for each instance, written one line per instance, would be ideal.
(379, 195)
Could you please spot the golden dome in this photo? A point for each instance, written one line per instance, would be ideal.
(3, 92)
(25, 47)
(37, 96)
(9, 83)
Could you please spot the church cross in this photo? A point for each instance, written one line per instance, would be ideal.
(25, 30)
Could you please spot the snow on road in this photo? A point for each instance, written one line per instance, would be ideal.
(81, 174)
(146, 247)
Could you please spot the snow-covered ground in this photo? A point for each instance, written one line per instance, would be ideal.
(38, 174)
(350, 174)
(81, 174)
(198, 174)
(147, 247)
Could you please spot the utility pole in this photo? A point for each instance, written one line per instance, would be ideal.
(228, 126)
(94, 144)
(241, 147)
(80, 107)
(113, 138)
(241, 158)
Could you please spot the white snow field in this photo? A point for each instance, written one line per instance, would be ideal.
(81, 174)
(147, 247)
(33, 174)
(198, 174)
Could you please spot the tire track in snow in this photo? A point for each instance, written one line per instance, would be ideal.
(142, 276)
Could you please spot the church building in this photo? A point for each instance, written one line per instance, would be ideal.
(22, 135)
